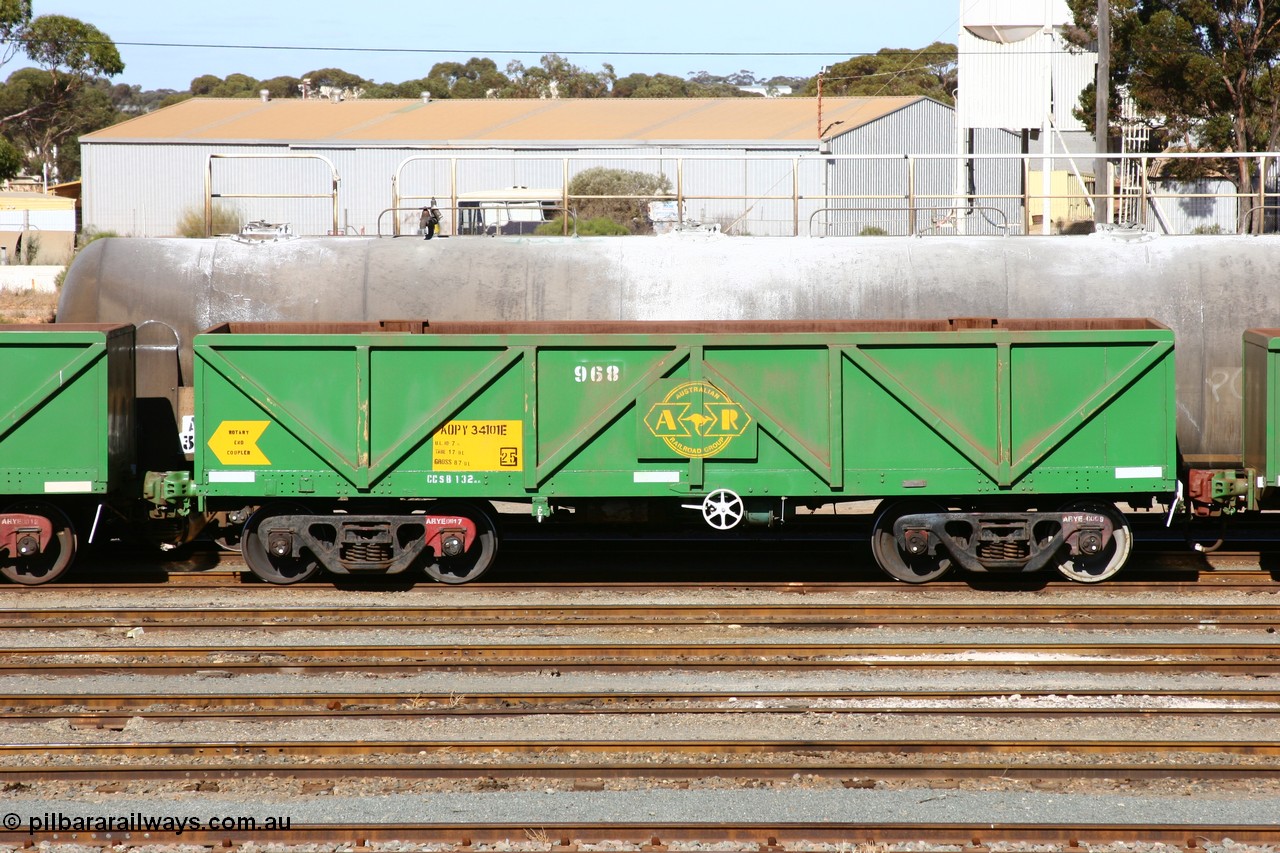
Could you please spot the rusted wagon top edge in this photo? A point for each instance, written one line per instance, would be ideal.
(108, 329)
(651, 327)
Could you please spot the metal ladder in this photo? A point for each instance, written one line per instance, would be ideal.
(1134, 135)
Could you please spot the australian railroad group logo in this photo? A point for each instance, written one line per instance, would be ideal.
(696, 419)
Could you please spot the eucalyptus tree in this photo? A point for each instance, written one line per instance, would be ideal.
(1202, 73)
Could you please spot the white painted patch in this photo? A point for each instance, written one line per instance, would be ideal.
(233, 476)
(67, 487)
(657, 477)
(1139, 472)
(187, 435)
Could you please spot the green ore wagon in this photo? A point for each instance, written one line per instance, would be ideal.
(993, 445)
(1256, 484)
(66, 439)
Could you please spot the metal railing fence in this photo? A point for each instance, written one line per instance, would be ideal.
(847, 194)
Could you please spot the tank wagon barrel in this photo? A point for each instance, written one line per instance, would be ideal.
(1206, 288)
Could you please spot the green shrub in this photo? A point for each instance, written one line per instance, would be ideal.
(31, 251)
(630, 212)
(225, 221)
(88, 237)
(873, 231)
(600, 226)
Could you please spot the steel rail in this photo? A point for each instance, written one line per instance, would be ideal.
(851, 773)
(567, 748)
(656, 835)
(1154, 578)
(1100, 615)
(109, 720)
(834, 653)
(1207, 585)
(1234, 658)
(651, 702)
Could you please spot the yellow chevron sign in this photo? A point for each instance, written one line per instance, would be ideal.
(236, 442)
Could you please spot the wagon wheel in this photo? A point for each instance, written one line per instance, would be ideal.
(897, 563)
(1092, 568)
(477, 559)
(270, 567)
(52, 562)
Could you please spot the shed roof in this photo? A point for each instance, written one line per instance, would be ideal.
(35, 201)
(452, 121)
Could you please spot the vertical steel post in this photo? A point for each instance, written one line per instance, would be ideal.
(795, 197)
(1101, 113)
(208, 197)
(1046, 174)
(395, 204)
(1146, 194)
(453, 194)
(1026, 192)
(679, 193)
(336, 179)
(911, 196)
(1262, 195)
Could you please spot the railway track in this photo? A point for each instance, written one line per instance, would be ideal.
(104, 711)
(1153, 572)
(118, 745)
(1233, 658)
(798, 836)
(542, 748)
(1081, 615)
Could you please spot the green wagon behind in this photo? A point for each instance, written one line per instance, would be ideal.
(67, 440)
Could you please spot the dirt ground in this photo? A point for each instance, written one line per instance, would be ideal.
(27, 307)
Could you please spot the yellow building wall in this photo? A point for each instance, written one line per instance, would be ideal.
(1068, 205)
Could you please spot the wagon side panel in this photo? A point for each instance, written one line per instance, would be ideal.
(66, 421)
(1057, 410)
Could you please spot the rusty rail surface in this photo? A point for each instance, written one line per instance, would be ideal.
(655, 836)
(1146, 573)
(849, 772)
(117, 720)
(542, 749)
(1234, 658)
(628, 701)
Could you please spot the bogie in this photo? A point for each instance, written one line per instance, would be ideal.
(37, 542)
(1087, 540)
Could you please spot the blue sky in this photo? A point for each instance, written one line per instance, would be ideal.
(631, 36)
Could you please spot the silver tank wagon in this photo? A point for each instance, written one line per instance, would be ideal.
(1207, 288)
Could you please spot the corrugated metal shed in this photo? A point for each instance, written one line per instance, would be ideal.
(472, 122)
(878, 189)
(1181, 207)
(141, 176)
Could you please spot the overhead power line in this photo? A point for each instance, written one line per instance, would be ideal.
(503, 52)
(565, 53)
